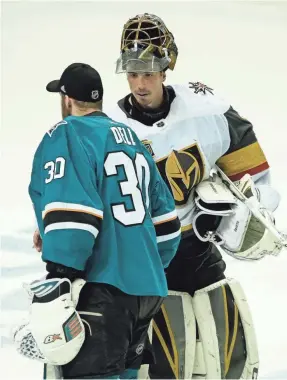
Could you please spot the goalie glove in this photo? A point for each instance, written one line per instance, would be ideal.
(267, 198)
(54, 333)
(246, 230)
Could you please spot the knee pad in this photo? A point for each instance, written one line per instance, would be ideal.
(174, 352)
(226, 344)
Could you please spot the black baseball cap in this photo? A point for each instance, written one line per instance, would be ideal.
(80, 82)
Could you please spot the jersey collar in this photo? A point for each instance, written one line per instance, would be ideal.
(96, 113)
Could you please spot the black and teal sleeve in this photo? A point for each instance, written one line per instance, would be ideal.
(164, 217)
(70, 207)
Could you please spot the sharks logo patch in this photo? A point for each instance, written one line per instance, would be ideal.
(51, 130)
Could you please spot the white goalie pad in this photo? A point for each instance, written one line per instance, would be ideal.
(54, 333)
(226, 346)
(173, 338)
(247, 229)
(208, 336)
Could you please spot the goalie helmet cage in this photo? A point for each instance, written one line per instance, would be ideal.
(149, 32)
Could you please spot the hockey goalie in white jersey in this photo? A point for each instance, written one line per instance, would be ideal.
(204, 329)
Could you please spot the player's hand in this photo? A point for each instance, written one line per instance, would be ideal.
(37, 240)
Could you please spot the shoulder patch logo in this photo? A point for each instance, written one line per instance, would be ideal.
(147, 144)
(50, 131)
(200, 87)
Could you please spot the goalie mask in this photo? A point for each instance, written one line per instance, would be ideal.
(146, 46)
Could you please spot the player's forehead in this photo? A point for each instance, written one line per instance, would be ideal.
(143, 73)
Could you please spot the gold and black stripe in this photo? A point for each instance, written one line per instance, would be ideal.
(245, 154)
(165, 348)
(248, 160)
(230, 332)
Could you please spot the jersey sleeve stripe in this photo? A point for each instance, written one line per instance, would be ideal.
(165, 221)
(249, 158)
(70, 226)
(258, 169)
(161, 239)
(56, 206)
(167, 228)
(165, 217)
(63, 216)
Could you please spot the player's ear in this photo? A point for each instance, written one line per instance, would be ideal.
(68, 102)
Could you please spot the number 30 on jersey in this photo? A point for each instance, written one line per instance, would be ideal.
(56, 169)
(132, 186)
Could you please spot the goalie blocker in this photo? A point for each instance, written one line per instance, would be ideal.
(208, 336)
(60, 340)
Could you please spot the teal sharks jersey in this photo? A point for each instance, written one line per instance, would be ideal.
(101, 205)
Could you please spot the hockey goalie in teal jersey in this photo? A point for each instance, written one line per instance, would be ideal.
(105, 215)
(92, 175)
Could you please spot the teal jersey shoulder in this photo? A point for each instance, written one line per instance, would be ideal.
(102, 206)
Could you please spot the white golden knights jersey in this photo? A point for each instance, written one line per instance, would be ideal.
(198, 130)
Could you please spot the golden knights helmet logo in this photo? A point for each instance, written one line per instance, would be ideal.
(184, 170)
